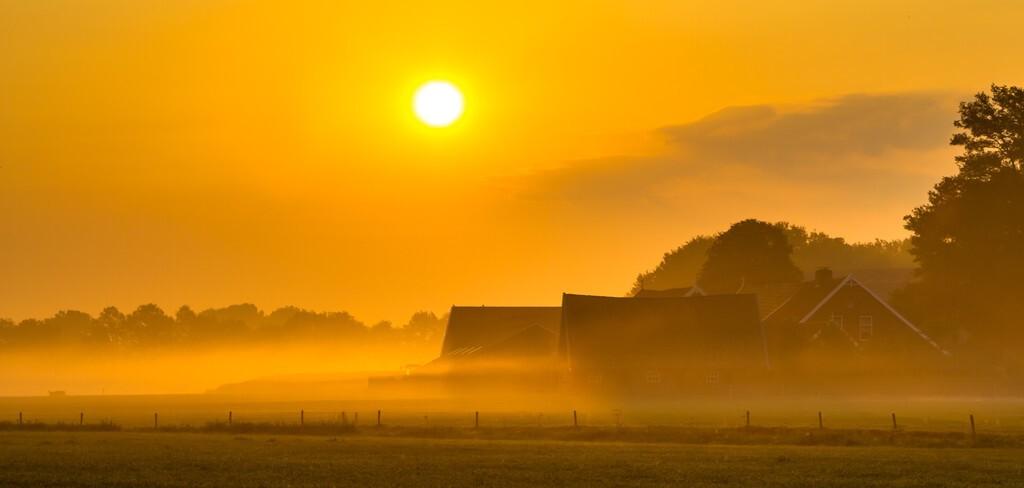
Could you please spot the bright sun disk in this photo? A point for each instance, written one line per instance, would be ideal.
(438, 103)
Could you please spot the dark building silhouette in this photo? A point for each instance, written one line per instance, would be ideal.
(501, 332)
(838, 321)
(683, 341)
(661, 344)
(495, 348)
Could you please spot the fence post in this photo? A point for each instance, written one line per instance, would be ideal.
(974, 433)
(476, 421)
(894, 426)
(230, 414)
(378, 418)
(748, 419)
(344, 419)
(156, 420)
(302, 417)
(575, 422)
(81, 418)
(821, 423)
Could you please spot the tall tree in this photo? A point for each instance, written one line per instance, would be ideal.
(678, 268)
(968, 239)
(751, 252)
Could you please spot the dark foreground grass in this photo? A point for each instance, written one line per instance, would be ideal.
(753, 435)
(116, 459)
(59, 427)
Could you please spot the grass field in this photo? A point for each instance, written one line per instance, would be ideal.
(191, 459)
(691, 443)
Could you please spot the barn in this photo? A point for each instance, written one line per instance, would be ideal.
(498, 348)
(501, 332)
(669, 345)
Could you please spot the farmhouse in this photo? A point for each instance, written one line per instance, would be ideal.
(830, 319)
(661, 344)
(664, 342)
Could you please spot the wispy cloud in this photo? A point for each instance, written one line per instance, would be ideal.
(834, 142)
(853, 165)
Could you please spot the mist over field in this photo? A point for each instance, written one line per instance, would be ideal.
(616, 243)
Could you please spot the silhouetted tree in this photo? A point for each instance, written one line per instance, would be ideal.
(7, 331)
(425, 327)
(185, 315)
(234, 323)
(109, 327)
(383, 332)
(968, 239)
(751, 252)
(149, 325)
(678, 268)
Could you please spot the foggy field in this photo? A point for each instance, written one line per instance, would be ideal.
(132, 459)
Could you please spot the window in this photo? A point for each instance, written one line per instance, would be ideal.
(865, 327)
(837, 320)
(653, 376)
(713, 378)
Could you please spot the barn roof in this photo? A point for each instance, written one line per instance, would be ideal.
(771, 295)
(665, 331)
(475, 328)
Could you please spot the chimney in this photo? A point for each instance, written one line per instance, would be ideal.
(823, 276)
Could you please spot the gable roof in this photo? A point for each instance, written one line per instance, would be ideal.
(473, 328)
(672, 331)
(814, 294)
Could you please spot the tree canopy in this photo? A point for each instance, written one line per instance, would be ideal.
(148, 326)
(811, 250)
(967, 239)
(751, 252)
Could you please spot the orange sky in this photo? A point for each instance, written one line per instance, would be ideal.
(213, 152)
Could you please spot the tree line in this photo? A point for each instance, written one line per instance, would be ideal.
(806, 250)
(148, 326)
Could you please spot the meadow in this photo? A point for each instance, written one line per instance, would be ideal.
(116, 459)
(433, 443)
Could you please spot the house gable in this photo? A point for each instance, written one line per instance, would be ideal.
(859, 311)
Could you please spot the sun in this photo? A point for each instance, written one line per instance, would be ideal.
(438, 103)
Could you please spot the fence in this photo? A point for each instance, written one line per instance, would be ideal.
(477, 419)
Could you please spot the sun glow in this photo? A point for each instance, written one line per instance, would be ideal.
(438, 103)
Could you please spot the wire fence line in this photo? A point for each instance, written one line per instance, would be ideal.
(821, 419)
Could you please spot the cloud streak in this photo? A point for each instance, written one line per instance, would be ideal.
(852, 166)
(856, 138)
